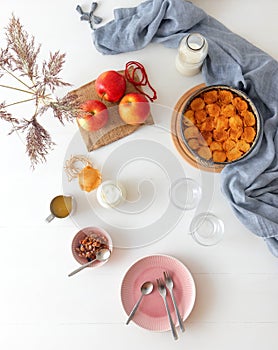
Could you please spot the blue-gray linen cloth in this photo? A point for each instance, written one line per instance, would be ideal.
(250, 185)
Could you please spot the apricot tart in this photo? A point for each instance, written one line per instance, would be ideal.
(220, 124)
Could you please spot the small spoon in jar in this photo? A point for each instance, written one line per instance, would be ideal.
(101, 255)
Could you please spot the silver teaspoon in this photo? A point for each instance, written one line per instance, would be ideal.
(146, 289)
(101, 255)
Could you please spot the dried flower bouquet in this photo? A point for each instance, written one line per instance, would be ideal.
(20, 62)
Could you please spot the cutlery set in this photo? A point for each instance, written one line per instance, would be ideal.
(163, 286)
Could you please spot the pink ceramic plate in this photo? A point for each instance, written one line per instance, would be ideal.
(151, 313)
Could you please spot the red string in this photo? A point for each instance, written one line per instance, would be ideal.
(131, 74)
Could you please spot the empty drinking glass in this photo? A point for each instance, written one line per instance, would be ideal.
(207, 229)
(185, 193)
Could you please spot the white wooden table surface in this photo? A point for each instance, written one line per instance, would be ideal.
(40, 307)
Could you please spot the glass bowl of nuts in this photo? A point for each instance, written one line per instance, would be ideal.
(87, 242)
(220, 125)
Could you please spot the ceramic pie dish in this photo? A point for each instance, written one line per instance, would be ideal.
(219, 125)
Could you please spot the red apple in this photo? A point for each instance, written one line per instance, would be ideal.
(134, 108)
(110, 85)
(94, 115)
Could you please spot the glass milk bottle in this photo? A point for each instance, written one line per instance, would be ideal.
(192, 51)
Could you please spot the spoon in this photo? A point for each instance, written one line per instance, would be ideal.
(146, 289)
(101, 255)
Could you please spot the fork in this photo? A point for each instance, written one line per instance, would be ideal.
(170, 285)
(163, 292)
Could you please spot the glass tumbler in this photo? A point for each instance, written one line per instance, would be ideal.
(207, 229)
(185, 193)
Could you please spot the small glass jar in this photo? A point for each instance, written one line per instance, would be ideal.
(110, 194)
(192, 51)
